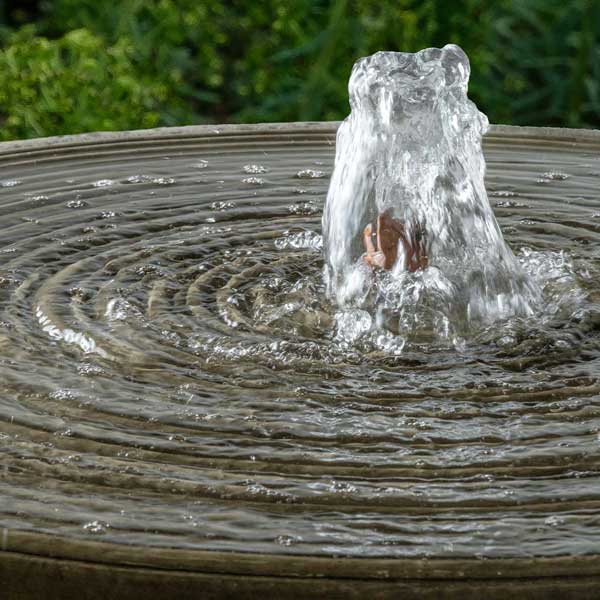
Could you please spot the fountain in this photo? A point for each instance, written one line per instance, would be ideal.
(411, 149)
(187, 407)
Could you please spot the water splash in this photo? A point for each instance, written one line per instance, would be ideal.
(411, 149)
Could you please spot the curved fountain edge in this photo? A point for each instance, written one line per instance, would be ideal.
(26, 577)
(325, 127)
(260, 564)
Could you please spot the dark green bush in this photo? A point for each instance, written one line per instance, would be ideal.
(79, 65)
(546, 70)
(77, 83)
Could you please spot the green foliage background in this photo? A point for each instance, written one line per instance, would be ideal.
(68, 66)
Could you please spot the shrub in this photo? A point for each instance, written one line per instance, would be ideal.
(78, 83)
(87, 65)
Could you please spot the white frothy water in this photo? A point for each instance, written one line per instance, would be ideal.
(411, 147)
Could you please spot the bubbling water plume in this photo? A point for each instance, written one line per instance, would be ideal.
(411, 149)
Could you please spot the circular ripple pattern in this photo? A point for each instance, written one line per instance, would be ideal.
(170, 376)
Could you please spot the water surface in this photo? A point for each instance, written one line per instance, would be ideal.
(171, 374)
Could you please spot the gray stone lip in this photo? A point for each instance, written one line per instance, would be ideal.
(266, 129)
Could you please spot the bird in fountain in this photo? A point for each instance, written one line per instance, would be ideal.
(389, 238)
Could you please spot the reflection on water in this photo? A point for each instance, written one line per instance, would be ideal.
(172, 375)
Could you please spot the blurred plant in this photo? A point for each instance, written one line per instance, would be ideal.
(182, 43)
(76, 83)
(548, 69)
(88, 65)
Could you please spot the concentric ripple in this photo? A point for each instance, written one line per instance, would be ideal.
(171, 376)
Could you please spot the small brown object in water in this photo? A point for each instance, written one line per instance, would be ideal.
(383, 252)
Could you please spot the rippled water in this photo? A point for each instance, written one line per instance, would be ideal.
(171, 374)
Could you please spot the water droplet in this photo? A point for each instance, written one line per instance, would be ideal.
(554, 521)
(96, 527)
(253, 180)
(285, 540)
(163, 180)
(138, 179)
(304, 239)
(555, 175)
(310, 174)
(222, 205)
(89, 369)
(509, 204)
(306, 208)
(255, 169)
(103, 183)
(76, 204)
